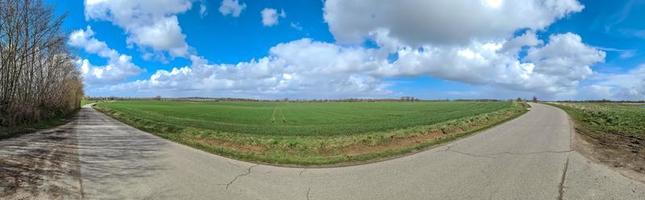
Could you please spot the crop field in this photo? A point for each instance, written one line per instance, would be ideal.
(310, 133)
(611, 118)
(303, 119)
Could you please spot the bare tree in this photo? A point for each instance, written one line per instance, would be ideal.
(38, 79)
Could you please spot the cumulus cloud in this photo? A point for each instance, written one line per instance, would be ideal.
(270, 16)
(288, 70)
(119, 66)
(470, 42)
(565, 60)
(150, 24)
(421, 22)
(629, 85)
(544, 70)
(231, 7)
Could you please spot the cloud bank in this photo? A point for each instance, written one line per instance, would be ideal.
(490, 43)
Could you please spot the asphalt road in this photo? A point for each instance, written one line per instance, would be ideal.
(527, 158)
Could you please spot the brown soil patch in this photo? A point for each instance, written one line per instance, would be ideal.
(625, 153)
(394, 143)
(214, 142)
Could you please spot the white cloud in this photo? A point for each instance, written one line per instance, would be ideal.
(231, 7)
(150, 24)
(470, 42)
(288, 71)
(566, 59)
(270, 16)
(119, 66)
(629, 85)
(422, 22)
(544, 70)
(85, 39)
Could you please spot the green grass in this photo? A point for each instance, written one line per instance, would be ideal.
(310, 133)
(608, 118)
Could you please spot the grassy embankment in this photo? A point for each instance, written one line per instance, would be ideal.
(311, 133)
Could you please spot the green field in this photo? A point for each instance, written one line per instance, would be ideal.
(608, 118)
(310, 133)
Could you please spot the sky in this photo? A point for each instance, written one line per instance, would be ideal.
(309, 49)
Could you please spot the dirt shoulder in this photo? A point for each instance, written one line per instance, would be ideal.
(625, 154)
(609, 133)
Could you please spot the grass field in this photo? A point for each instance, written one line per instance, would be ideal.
(310, 133)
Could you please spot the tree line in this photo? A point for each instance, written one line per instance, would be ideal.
(217, 99)
(38, 78)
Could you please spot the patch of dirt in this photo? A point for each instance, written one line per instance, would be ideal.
(394, 143)
(228, 145)
(624, 153)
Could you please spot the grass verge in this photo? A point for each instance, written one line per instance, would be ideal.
(299, 150)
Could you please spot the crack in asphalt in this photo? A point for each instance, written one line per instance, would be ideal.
(248, 171)
(531, 153)
(493, 155)
(562, 180)
(302, 171)
(308, 192)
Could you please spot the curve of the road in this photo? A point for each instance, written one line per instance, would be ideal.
(529, 157)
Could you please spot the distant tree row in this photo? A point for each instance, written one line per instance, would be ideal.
(401, 99)
(602, 101)
(38, 79)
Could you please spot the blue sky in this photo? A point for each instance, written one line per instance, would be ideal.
(339, 49)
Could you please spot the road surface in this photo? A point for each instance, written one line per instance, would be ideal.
(526, 158)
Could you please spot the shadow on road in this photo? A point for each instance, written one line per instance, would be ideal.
(40, 165)
(89, 156)
(114, 157)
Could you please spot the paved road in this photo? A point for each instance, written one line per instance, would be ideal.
(526, 158)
